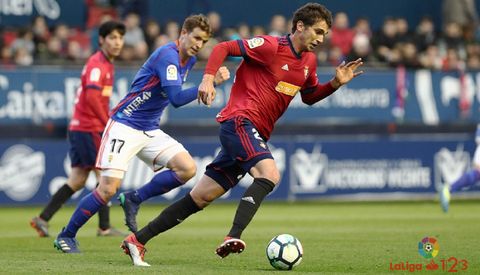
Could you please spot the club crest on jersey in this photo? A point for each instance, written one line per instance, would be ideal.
(305, 71)
(255, 42)
(172, 72)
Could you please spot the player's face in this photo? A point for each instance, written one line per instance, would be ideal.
(314, 35)
(191, 43)
(112, 44)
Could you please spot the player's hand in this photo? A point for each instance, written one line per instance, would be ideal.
(222, 75)
(346, 72)
(206, 91)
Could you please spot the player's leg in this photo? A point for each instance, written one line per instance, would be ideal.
(119, 144)
(252, 154)
(161, 151)
(204, 192)
(83, 151)
(104, 227)
(75, 182)
(469, 178)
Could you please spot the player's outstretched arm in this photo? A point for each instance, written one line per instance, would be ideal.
(346, 72)
(343, 74)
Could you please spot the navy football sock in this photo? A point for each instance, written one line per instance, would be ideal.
(170, 217)
(86, 208)
(249, 204)
(161, 183)
(56, 202)
(104, 216)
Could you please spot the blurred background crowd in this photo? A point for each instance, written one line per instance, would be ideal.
(455, 45)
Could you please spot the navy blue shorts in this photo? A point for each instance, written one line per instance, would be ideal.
(83, 148)
(242, 148)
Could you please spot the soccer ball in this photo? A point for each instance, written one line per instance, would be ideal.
(284, 252)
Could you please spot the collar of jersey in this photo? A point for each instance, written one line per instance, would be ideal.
(297, 55)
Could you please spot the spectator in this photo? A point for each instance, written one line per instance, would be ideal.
(41, 34)
(425, 34)
(278, 25)
(23, 57)
(385, 41)
(215, 23)
(172, 30)
(452, 62)
(361, 48)
(152, 31)
(58, 44)
(452, 38)
(342, 35)
(258, 30)
(243, 31)
(431, 58)
(409, 56)
(134, 38)
(461, 12)
(161, 40)
(362, 26)
(473, 62)
(403, 34)
(24, 41)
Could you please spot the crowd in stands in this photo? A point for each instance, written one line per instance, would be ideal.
(397, 43)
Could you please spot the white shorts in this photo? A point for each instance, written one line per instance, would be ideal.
(120, 143)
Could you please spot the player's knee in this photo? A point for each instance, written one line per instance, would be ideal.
(273, 176)
(108, 187)
(106, 193)
(187, 172)
(202, 200)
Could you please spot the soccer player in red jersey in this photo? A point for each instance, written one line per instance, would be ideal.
(273, 71)
(86, 126)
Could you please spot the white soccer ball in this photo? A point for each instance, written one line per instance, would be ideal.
(284, 252)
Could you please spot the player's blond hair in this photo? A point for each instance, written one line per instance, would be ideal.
(197, 20)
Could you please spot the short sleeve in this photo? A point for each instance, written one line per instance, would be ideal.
(166, 67)
(261, 49)
(94, 76)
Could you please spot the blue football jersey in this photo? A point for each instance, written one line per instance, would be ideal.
(143, 106)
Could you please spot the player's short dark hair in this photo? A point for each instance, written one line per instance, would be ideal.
(197, 20)
(110, 26)
(310, 13)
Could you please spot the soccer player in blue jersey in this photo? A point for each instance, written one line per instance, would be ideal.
(133, 128)
(468, 179)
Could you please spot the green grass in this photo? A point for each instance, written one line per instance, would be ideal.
(337, 238)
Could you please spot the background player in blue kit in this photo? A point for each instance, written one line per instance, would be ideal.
(468, 179)
(133, 128)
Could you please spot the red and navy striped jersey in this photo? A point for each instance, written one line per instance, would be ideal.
(96, 85)
(267, 80)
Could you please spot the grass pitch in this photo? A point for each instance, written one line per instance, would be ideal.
(337, 238)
